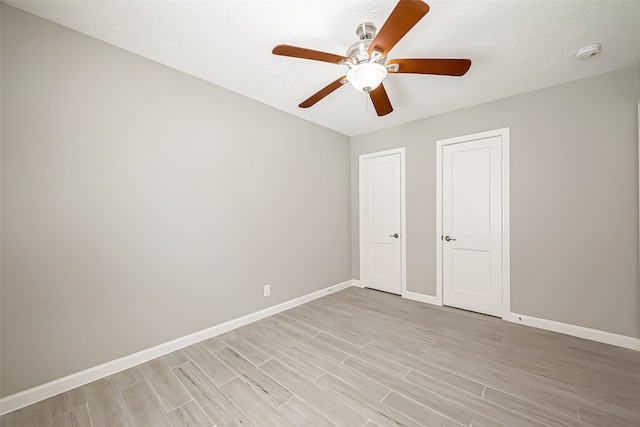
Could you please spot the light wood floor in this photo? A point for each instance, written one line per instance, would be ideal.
(364, 358)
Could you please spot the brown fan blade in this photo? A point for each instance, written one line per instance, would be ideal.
(406, 14)
(442, 67)
(323, 92)
(300, 52)
(381, 101)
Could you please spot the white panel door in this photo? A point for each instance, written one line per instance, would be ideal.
(472, 225)
(380, 210)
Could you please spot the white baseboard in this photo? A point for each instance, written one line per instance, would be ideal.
(50, 389)
(429, 299)
(406, 294)
(576, 331)
(357, 283)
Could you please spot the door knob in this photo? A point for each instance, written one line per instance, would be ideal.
(394, 235)
(448, 239)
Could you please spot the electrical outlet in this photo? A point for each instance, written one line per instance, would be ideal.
(267, 290)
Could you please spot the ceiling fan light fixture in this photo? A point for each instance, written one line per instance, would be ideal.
(366, 76)
(366, 58)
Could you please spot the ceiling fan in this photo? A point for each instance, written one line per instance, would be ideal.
(366, 60)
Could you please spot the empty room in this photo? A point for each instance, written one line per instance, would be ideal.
(355, 213)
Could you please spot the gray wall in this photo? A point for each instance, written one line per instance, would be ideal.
(140, 204)
(573, 197)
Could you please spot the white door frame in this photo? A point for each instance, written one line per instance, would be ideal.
(403, 222)
(506, 258)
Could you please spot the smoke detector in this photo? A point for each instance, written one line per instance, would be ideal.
(588, 51)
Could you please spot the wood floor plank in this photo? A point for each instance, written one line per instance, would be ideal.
(189, 415)
(510, 358)
(213, 344)
(38, 414)
(420, 414)
(370, 326)
(143, 405)
(209, 364)
(530, 410)
(449, 377)
(472, 402)
(480, 420)
(386, 364)
(363, 384)
(105, 405)
(327, 404)
(460, 362)
(175, 358)
(428, 398)
(605, 414)
(335, 307)
(324, 349)
(287, 318)
(164, 383)
(283, 334)
(250, 352)
(12, 419)
(374, 409)
(267, 322)
(208, 397)
(127, 378)
(303, 315)
(67, 401)
(303, 415)
(304, 338)
(622, 391)
(410, 338)
(604, 360)
(402, 355)
(340, 330)
(251, 374)
(254, 403)
(552, 393)
(242, 331)
(287, 357)
(76, 417)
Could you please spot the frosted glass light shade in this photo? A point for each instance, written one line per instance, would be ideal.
(366, 76)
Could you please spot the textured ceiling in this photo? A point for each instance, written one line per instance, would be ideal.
(516, 46)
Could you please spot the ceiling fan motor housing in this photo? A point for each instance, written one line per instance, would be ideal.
(358, 52)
